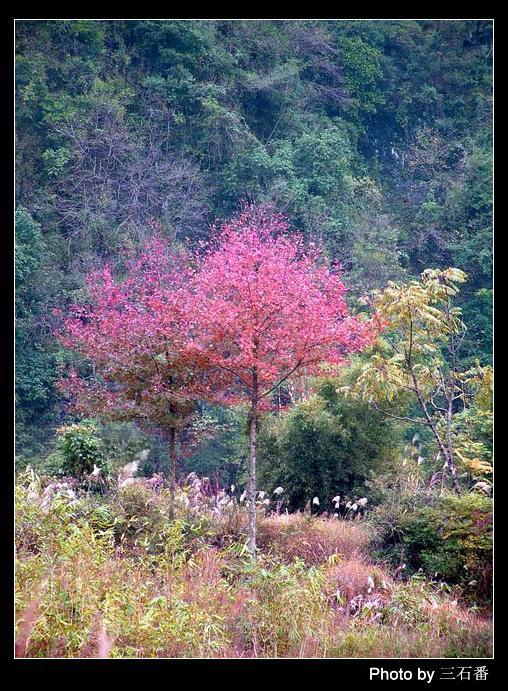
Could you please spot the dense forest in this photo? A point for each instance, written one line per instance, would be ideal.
(372, 140)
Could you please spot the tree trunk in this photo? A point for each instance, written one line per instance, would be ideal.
(453, 472)
(251, 487)
(447, 452)
(449, 460)
(172, 471)
(449, 413)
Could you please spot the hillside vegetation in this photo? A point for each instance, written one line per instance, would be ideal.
(374, 137)
(254, 384)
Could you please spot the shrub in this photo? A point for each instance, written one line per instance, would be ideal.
(286, 606)
(79, 450)
(447, 537)
(142, 525)
(167, 590)
(324, 446)
(354, 580)
(140, 518)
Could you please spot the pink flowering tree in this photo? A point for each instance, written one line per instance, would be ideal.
(265, 309)
(131, 336)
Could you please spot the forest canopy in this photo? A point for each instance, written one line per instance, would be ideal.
(372, 137)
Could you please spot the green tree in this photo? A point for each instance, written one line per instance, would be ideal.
(325, 446)
(416, 360)
(35, 366)
(79, 450)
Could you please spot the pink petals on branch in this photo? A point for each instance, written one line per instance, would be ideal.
(257, 302)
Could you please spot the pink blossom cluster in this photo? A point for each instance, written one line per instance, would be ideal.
(256, 308)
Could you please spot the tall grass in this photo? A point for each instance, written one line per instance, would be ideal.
(114, 578)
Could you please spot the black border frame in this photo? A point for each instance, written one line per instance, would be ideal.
(342, 671)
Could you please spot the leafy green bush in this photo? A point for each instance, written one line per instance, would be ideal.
(140, 517)
(324, 446)
(286, 605)
(79, 450)
(448, 537)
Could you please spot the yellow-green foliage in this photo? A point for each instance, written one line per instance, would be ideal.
(420, 322)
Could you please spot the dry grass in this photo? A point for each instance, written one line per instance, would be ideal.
(100, 642)
(26, 625)
(176, 592)
(312, 539)
(357, 577)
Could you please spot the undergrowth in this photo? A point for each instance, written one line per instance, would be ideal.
(110, 576)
